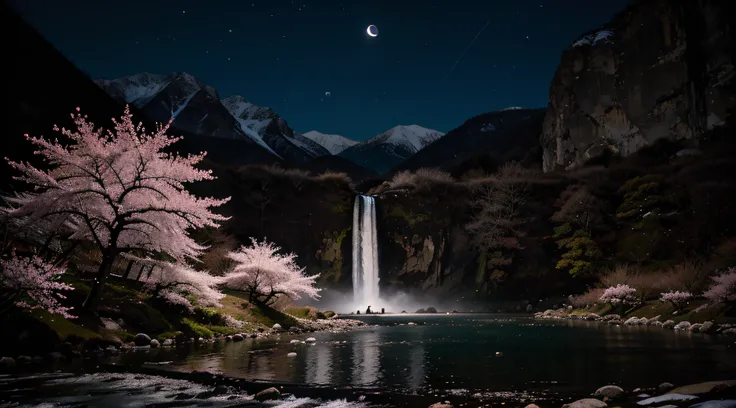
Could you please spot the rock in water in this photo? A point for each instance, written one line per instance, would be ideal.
(311, 340)
(168, 343)
(592, 316)
(610, 391)
(268, 394)
(664, 387)
(666, 398)
(155, 343)
(237, 338)
(586, 403)
(7, 363)
(142, 339)
(292, 354)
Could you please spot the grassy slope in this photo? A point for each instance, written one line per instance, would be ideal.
(715, 313)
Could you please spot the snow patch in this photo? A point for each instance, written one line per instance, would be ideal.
(488, 128)
(510, 108)
(184, 104)
(602, 36)
(333, 143)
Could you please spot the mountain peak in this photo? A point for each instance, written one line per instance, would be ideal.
(333, 143)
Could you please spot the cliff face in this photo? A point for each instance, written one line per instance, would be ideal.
(662, 69)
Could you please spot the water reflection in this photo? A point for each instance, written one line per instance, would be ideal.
(460, 352)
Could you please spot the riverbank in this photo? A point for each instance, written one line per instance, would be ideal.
(113, 386)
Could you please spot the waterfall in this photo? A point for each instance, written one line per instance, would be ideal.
(365, 252)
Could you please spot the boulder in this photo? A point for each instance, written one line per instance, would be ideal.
(730, 332)
(55, 357)
(142, 339)
(529, 308)
(311, 340)
(610, 391)
(668, 324)
(7, 363)
(656, 324)
(695, 327)
(703, 388)
(684, 325)
(277, 327)
(611, 317)
(268, 394)
(592, 316)
(532, 406)
(664, 387)
(168, 343)
(586, 403)
(708, 327)
(292, 355)
(228, 339)
(430, 310)
(155, 343)
(670, 397)
(237, 338)
(653, 319)
(24, 360)
(441, 405)
(632, 321)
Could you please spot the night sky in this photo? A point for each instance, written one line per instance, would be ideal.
(287, 54)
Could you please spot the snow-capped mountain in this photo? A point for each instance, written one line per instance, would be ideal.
(333, 143)
(271, 130)
(197, 108)
(385, 151)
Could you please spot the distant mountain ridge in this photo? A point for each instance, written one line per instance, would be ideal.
(387, 150)
(197, 108)
(333, 143)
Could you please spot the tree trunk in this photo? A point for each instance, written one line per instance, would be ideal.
(90, 304)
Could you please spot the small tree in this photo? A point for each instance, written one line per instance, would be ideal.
(179, 284)
(496, 225)
(676, 298)
(579, 213)
(723, 289)
(120, 190)
(264, 273)
(619, 295)
(31, 283)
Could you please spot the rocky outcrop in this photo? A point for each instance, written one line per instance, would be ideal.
(662, 69)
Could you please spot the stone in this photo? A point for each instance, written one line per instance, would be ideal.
(656, 324)
(730, 332)
(24, 360)
(294, 341)
(268, 394)
(532, 406)
(610, 391)
(155, 343)
(666, 398)
(529, 308)
(168, 343)
(292, 355)
(6, 363)
(276, 327)
(695, 327)
(632, 321)
(311, 340)
(668, 324)
(586, 403)
(592, 316)
(664, 387)
(253, 335)
(440, 405)
(37, 360)
(55, 357)
(708, 327)
(702, 388)
(653, 320)
(238, 337)
(611, 317)
(142, 339)
(228, 339)
(684, 325)
(714, 404)
(110, 324)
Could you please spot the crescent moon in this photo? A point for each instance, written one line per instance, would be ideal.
(372, 30)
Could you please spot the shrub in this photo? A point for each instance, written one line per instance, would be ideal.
(434, 175)
(402, 179)
(723, 289)
(332, 176)
(619, 294)
(591, 297)
(676, 298)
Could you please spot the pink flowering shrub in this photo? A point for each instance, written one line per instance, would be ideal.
(179, 284)
(264, 273)
(619, 294)
(723, 289)
(31, 283)
(676, 298)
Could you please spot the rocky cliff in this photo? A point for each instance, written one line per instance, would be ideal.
(661, 69)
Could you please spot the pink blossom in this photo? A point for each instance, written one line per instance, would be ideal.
(264, 273)
(119, 188)
(677, 298)
(35, 282)
(723, 289)
(618, 294)
(177, 283)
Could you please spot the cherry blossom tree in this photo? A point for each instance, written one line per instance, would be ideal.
(676, 298)
(723, 289)
(120, 189)
(177, 283)
(264, 273)
(31, 283)
(619, 294)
